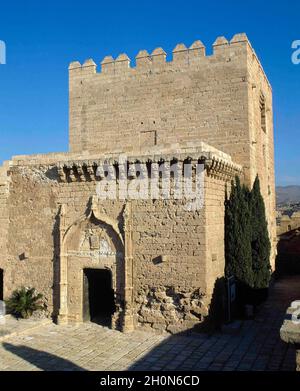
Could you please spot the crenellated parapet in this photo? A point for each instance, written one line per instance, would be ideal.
(181, 56)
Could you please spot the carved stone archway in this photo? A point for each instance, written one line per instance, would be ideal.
(94, 241)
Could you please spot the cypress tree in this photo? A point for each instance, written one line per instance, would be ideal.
(238, 234)
(260, 242)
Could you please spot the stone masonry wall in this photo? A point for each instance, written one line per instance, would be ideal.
(170, 246)
(194, 97)
(214, 223)
(157, 106)
(177, 254)
(262, 143)
(33, 205)
(287, 223)
(31, 209)
(170, 265)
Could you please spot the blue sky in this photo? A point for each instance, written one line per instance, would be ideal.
(43, 39)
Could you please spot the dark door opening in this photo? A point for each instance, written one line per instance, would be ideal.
(98, 296)
(1, 284)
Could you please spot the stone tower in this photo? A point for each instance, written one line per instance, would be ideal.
(224, 100)
(155, 260)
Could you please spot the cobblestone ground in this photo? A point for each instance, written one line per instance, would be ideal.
(91, 347)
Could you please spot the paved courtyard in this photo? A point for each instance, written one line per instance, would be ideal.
(88, 346)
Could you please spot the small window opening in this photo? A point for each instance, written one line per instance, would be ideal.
(262, 105)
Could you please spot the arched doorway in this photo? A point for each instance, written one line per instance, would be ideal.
(92, 273)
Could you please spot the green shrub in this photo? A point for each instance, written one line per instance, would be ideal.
(24, 302)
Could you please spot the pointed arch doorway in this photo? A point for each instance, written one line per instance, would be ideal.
(92, 273)
(94, 241)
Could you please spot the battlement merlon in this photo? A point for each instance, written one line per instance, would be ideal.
(182, 56)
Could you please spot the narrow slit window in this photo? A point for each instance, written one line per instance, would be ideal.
(262, 105)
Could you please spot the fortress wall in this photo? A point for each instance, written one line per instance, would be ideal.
(214, 223)
(287, 223)
(170, 266)
(193, 97)
(154, 109)
(215, 99)
(31, 208)
(169, 247)
(262, 143)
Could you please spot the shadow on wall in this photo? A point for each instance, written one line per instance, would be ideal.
(288, 254)
(216, 315)
(42, 360)
(56, 268)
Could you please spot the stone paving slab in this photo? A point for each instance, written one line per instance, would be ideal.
(88, 346)
(13, 326)
(85, 347)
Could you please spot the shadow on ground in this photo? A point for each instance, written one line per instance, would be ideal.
(256, 346)
(42, 360)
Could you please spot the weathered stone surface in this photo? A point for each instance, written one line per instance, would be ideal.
(290, 332)
(290, 329)
(164, 259)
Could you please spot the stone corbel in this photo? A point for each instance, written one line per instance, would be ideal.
(80, 172)
(61, 173)
(218, 168)
(90, 172)
(72, 175)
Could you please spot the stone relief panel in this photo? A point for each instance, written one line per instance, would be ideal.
(95, 242)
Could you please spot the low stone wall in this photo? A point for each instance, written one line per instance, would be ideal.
(290, 330)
